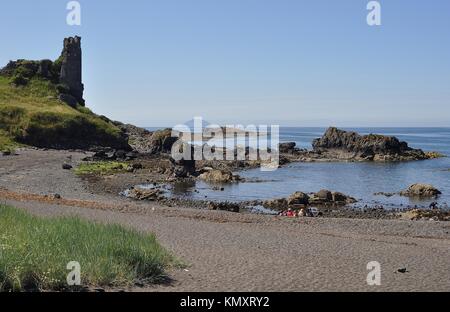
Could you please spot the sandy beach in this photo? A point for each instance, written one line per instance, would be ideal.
(226, 251)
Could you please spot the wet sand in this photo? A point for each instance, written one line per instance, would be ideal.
(241, 252)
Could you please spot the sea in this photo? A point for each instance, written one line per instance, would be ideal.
(361, 180)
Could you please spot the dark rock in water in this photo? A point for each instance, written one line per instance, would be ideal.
(6, 153)
(288, 147)
(339, 144)
(421, 190)
(384, 194)
(68, 99)
(66, 167)
(145, 194)
(219, 176)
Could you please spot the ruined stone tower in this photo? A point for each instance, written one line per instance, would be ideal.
(71, 68)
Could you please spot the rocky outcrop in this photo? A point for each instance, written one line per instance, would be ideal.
(139, 139)
(421, 190)
(300, 200)
(162, 141)
(340, 144)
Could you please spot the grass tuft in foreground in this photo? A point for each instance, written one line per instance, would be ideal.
(34, 253)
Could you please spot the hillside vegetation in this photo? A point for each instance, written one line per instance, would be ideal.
(30, 113)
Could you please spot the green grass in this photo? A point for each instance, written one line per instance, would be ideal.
(6, 142)
(33, 115)
(34, 253)
(101, 167)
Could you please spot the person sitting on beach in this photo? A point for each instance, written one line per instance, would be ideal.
(290, 213)
(302, 213)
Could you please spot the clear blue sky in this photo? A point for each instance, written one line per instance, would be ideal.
(288, 62)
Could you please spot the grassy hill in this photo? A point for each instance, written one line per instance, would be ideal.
(31, 114)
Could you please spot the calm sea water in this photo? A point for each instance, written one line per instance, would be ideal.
(360, 180)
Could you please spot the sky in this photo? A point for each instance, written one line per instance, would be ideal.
(286, 62)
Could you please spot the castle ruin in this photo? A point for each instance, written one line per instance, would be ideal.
(71, 68)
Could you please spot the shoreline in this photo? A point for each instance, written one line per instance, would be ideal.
(227, 251)
(154, 170)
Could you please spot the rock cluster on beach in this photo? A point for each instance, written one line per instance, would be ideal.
(108, 154)
(140, 193)
(301, 200)
(426, 215)
(224, 206)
